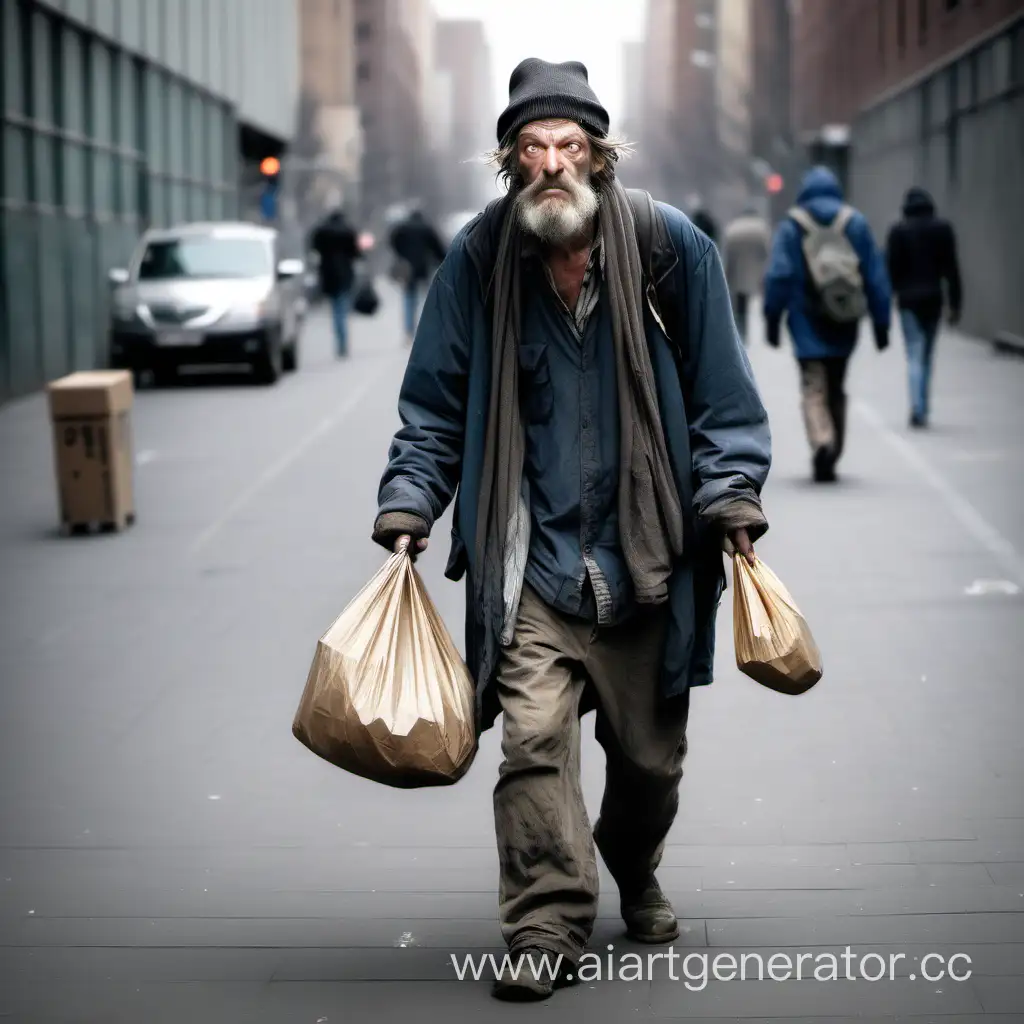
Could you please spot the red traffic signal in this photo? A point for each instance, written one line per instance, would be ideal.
(270, 165)
(774, 183)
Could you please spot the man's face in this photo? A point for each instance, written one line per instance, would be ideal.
(556, 164)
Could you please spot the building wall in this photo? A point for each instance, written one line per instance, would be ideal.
(328, 51)
(771, 122)
(117, 115)
(930, 91)
(464, 56)
(388, 84)
(733, 68)
(646, 169)
(959, 132)
(771, 97)
(695, 118)
(847, 53)
(328, 82)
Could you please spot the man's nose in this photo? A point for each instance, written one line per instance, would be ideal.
(551, 164)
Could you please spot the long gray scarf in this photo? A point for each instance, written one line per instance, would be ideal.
(650, 512)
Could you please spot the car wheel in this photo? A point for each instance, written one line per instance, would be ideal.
(163, 376)
(269, 366)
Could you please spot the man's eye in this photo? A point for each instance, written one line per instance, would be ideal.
(574, 147)
(531, 149)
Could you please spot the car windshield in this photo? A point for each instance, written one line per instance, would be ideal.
(205, 257)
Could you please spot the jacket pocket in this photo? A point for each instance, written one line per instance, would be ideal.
(536, 389)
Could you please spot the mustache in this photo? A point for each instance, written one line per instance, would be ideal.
(564, 181)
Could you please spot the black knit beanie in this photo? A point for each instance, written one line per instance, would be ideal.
(539, 91)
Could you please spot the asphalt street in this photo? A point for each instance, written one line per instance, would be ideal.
(170, 853)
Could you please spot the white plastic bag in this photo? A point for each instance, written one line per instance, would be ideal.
(388, 697)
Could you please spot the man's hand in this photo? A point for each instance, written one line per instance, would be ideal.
(405, 541)
(741, 544)
(395, 531)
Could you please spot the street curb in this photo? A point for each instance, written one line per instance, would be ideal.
(1008, 344)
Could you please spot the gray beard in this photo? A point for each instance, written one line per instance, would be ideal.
(557, 221)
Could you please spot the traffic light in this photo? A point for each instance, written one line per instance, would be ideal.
(270, 167)
(774, 183)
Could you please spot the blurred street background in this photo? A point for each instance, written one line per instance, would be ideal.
(168, 851)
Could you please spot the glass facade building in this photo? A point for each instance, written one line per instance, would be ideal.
(119, 115)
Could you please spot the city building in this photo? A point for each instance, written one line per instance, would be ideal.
(733, 65)
(464, 59)
(776, 158)
(325, 167)
(895, 93)
(636, 171)
(116, 116)
(650, 123)
(390, 81)
(695, 123)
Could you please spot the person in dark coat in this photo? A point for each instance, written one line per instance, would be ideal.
(337, 244)
(921, 252)
(418, 250)
(703, 221)
(822, 345)
(597, 479)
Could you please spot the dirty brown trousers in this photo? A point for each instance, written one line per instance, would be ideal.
(823, 400)
(554, 667)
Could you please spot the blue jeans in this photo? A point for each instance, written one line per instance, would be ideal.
(919, 337)
(339, 313)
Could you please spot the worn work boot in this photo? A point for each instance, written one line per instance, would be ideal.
(533, 975)
(649, 915)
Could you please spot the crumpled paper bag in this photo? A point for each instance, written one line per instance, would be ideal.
(774, 644)
(388, 697)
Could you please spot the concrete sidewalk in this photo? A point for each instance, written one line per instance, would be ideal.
(169, 852)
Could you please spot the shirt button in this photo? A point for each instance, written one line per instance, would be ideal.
(587, 549)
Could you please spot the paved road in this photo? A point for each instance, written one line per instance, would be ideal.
(169, 853)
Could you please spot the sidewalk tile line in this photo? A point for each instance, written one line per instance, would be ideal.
(291, 456)
(969, 517)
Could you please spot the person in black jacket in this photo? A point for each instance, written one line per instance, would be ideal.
(337, 244)
(703, 221)
(922, 256)
(417, 248)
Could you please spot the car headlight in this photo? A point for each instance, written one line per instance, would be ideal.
(250, 311)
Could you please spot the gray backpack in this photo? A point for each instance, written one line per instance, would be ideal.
(834, 265)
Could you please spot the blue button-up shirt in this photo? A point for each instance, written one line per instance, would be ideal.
(569, 386)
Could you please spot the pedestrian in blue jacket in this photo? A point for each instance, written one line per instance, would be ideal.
(604, 432)
(826, 274)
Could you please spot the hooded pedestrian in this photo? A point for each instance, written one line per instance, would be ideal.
(826, 275)
(925, 272)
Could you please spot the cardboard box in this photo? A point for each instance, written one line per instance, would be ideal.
(91, 416)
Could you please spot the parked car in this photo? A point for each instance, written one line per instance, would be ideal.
(214, 293)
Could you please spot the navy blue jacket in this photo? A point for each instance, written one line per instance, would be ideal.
(715, 424)
(786, 281)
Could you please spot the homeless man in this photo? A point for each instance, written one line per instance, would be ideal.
(598, 482)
